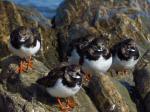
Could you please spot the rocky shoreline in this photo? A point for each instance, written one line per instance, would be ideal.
(74, 19)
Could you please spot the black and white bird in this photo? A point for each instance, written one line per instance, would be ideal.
(63, 81)
(97, 57)
(76, 49)
(125, 55)
(24, 42)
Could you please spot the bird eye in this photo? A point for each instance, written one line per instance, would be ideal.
(76, 76)
(78, 73)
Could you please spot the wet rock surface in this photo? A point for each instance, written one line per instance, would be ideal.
(114, 19)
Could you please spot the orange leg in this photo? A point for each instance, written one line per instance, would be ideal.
(21, 67)
(88, 76)
(122, 72)
(29, 63)
(71, 103)
(62, 107)
(125, 72)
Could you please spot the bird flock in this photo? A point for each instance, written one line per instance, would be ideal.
(86, 55)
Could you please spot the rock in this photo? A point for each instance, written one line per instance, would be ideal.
(142, 79)
(12, 16)
(19, 92)
(142, 75)
(114, 19)
(147, 102)
(109, 95)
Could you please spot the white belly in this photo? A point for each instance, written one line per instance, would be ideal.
(59, 90)
(74, 58)
(24, 52)
(100, 65)
(121, 64)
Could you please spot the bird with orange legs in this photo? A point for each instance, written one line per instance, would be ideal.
(63, 81)
(24, 42)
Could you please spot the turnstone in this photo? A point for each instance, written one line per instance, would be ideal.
(76, 49)
(63, 81)
(97, 57)
(125, 55)
(24, 42)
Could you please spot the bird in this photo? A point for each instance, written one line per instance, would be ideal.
(125, 55)
(63, 81)
(97, 57)
(24, 42)
(76, 49)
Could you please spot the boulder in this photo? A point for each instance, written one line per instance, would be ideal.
(110, 95)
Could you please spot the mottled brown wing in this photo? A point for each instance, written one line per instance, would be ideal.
(51, 78)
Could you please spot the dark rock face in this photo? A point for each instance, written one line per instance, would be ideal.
(147, 102)
(142, 79)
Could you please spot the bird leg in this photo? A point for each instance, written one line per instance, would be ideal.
(21, 67)
(29, 63)
(62, 107)
(123, 72)
(87, 76)
(119, 72)
(71, 103)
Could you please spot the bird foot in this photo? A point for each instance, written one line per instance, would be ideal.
(88, 76)
(64, 108)
(29, 64)
(123, 72)
(21, 67)
(71, 103)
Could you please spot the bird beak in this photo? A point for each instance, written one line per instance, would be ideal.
(100, 49)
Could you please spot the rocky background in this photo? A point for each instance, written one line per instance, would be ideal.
(114, 19)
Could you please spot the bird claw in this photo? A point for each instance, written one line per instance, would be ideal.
(123, 72)
(69, 105)
(29, 64)
(24, 66)
(88, 76)
(21, 67)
